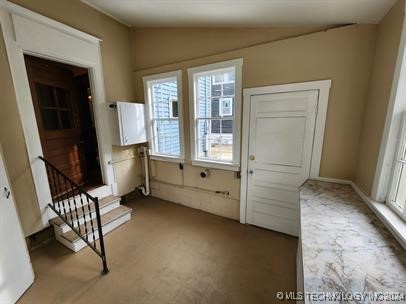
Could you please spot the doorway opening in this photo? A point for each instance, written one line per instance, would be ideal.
(64, 113)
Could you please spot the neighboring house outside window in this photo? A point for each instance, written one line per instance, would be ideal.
(397, 193)
(163, 102)
(215, 101)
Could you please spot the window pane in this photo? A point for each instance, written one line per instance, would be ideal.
(49, 119)
(63, 98)
(204, 96)
(162, 95)
(215, 101)
(175, 112)
(400, 198)
(45, 95)
(215, 139)
(167, 137)
(66, 119)
(228, 89)
(226, 106)
(215, 108)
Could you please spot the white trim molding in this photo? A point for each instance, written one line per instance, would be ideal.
(209, 69)
(159, 78)
(26, 32)
(323, 86)
(396, 106)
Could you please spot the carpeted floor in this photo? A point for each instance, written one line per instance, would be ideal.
(168, 253)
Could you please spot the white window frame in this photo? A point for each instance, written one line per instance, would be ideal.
(153, 79)
(396, 106)
(396, 171)
(193, 74)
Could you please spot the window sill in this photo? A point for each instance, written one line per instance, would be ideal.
(171, 159)
(216, 165)
(391, 220)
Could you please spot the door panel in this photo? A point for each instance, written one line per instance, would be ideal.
(288, 132)
(54, 94)
(16, 273)
(280, 147)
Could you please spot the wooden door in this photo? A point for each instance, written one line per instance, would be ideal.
(53, 94)
(280, 149)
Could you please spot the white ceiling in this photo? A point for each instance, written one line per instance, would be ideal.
(242, 13)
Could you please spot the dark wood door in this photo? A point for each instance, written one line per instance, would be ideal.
(53, 93)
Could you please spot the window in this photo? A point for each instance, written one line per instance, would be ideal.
(55, 107)
(215, 101)
(164, 107)
(397, 194)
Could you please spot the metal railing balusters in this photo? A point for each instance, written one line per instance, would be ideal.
(91, 222)
(59, 195)
(100, 231)
(68, 197)
(50, 187)
(84, 217)
(56, 194)
(76, 211)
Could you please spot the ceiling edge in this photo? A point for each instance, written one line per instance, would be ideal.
(106, 13)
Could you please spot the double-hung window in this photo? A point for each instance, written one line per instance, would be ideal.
(215, 114)
(397, 193)
(163, 98)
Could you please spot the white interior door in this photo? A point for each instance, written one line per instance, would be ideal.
(16, 273)
(279, 157)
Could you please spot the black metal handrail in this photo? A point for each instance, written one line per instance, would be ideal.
(64, 192)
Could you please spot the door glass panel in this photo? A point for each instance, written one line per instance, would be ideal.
(66, 119)
(49, 119)
(45, 95)
(63, 98)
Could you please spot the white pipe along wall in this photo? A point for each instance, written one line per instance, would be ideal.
(145, 188)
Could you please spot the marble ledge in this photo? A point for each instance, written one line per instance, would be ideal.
(345, 247)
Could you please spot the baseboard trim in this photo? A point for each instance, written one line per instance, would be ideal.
(332, 180)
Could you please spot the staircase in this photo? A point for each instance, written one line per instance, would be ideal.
(82, 217)
(112, 215)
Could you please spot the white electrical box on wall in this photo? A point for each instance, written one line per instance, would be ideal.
(128, 123)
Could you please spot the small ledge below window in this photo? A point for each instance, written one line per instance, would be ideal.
(167, 158)
(216, 165)
(391, 220)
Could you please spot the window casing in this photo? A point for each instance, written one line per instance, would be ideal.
(215, 114)
(397, 193)
(163, 98)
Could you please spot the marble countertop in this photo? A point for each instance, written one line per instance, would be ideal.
(345, 247)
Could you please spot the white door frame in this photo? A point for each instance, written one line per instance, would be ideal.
(26, 32)
(323, 86)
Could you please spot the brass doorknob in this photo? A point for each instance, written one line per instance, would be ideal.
(252, 157)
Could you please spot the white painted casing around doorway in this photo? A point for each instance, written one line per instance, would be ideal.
(26, 32)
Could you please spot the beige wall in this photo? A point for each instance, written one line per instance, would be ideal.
(343, 54)
(154, 47)
(117, 68)
(388, 37)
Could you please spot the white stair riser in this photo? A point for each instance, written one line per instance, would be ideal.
(63, 205)
(76, 246)
(101, 192)
(65, 228)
